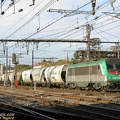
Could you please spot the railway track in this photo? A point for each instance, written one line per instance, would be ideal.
(58, 112)
(91, 112)
(17, 113)
(54, 105)
(44, 97)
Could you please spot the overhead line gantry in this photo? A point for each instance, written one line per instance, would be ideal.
(53, 40)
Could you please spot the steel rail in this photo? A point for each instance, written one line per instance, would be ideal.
(98, 113)
(28, 111)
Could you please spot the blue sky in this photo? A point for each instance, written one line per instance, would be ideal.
(22, 25)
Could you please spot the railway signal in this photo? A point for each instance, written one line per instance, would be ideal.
(13, 58)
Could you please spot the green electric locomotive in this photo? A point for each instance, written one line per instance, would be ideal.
(96, 75)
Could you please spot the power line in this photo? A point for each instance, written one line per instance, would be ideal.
(22, 18)
(39, 12)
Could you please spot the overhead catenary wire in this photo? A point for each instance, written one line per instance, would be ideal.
(46, 6)
(97, 27)
(21, 19)
(39, 12)
(10, 5)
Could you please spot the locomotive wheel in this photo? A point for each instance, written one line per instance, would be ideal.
(97, 87)
(72, 86)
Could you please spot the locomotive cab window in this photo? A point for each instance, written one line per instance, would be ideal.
(117, 65)
(110, 65)
(113, 66)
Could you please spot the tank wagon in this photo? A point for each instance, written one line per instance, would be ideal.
(57, 77)
(48, 72)
(27, 77)
(11, 76)
(96, 75)
(2, 78)
(35, 73)
(38, 77)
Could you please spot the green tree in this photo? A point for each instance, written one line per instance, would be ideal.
(61, 62)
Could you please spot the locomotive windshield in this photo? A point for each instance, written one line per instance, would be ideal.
(113, 66)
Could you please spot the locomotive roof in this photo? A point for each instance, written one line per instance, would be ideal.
(89, 63)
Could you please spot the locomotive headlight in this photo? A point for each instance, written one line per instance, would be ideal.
(116, 72)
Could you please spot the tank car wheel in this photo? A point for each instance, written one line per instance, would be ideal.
(77, 88)
(72, 86)
(99, 89)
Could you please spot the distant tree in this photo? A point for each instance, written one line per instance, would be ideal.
(21, 67)
(77, 56)
(74, 60)
(61, 62)
(44, 60)
(44, 64)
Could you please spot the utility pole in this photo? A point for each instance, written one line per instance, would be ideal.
(88, 30)
(6, 72)
(68, 51)
(118, 50)
(16, 85)
(32, 58)
(67, 58)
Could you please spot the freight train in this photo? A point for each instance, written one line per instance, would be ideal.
(98, 75)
